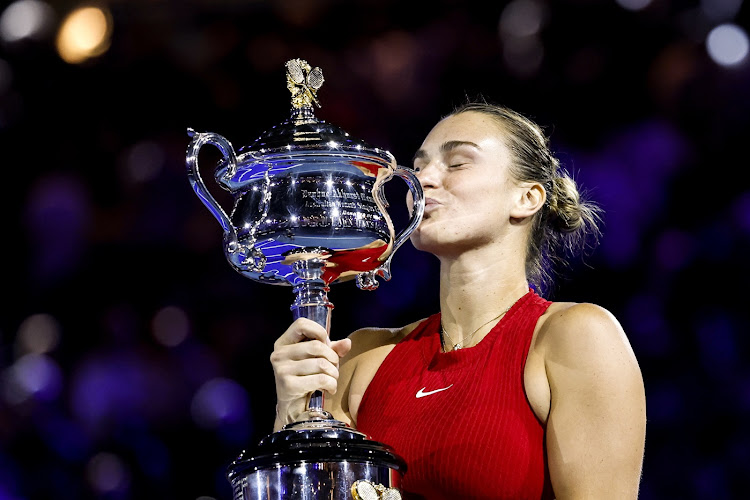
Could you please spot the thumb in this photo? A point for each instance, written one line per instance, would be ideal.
(342, 347)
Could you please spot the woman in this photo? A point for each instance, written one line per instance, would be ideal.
(502, 394)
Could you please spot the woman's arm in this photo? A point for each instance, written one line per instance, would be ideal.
(597, 421)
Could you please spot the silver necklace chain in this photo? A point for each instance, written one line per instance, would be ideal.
(466, 340)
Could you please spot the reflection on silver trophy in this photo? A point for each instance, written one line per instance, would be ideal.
(309, 211)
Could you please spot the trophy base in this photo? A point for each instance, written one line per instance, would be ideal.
(321, 458)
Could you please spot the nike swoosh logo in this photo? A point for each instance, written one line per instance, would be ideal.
(421, 393)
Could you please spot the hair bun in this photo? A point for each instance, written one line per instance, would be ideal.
(566, 211)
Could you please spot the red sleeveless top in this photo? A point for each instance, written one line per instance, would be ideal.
(461, 419)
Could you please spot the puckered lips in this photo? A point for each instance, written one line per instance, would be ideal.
(430, 204)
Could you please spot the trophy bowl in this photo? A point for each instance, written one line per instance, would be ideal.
(309, 211)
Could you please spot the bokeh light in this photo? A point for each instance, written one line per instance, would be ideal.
(727, 45)
(33, 376)
(26, 19)
(38, 334)
(107, 473)
(522, 18)
(142, 162)
(84, 33)
(219, 402)
(170, 326)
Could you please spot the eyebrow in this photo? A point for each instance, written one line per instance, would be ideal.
(446, 147)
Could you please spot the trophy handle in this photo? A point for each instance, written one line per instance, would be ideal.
(367, 281)
(244, 257)
(200, 139)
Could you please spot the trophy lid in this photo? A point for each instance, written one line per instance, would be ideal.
(302, 131)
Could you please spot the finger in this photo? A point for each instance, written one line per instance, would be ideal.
(342, 347)
(309, 366)
(308, 383)
(302, 329)
(304, 350)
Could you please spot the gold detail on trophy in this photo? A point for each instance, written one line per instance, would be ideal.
(365, 490)
(303, 81)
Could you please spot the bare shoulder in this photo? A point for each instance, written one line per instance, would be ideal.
(581, 329)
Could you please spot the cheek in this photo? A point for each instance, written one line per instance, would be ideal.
(493, 195)
(481, 195)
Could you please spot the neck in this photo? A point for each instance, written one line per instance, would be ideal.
(477, 286)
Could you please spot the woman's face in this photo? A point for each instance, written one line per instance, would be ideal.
(469, 193)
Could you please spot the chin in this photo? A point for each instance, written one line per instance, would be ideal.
(430, 240)
(419, 241)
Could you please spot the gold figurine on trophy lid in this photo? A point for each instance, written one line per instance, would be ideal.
(303, 81)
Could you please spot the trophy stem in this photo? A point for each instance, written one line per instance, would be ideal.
(311, 302)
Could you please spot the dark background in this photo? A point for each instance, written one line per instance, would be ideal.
(134, 360)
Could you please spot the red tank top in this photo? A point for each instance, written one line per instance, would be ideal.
(461, 419)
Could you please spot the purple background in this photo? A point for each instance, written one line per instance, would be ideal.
(134, 360)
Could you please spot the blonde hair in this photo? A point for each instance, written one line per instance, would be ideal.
(567, 225)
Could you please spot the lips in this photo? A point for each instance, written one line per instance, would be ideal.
(430, 204)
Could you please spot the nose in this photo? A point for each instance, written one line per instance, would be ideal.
(428, 175)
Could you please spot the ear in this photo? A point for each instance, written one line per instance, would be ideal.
(530, 199)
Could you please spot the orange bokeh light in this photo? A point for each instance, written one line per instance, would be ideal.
(84, 33)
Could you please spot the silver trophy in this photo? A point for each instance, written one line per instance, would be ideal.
(309, 211)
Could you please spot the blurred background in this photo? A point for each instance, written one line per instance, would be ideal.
(134, 360)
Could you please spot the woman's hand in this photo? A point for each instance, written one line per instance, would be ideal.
(304, 360)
